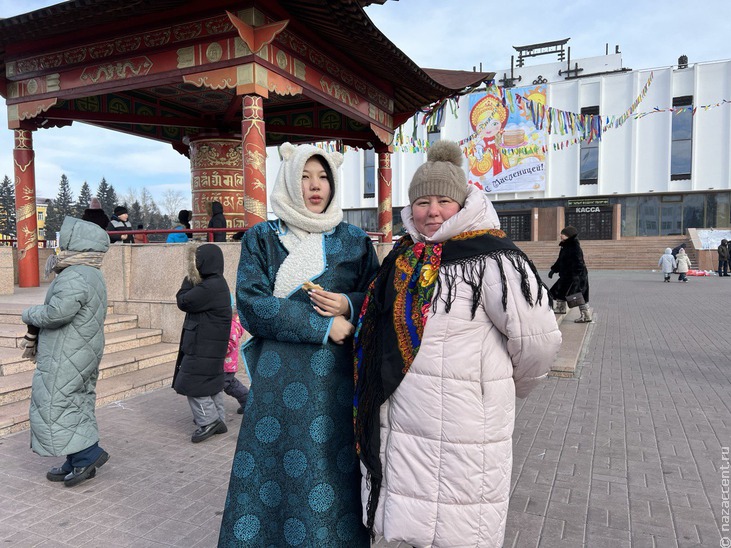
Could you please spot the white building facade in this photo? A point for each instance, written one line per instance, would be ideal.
(660, 172)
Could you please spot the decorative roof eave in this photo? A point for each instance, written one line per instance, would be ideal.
(342, 23)
(349, 24)
(75, 15)
(459, 79)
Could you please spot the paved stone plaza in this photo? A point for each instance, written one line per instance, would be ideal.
(630, 453)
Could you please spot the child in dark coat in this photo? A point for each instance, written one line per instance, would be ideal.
(199, 375)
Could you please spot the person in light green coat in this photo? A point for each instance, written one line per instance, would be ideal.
(69, 327)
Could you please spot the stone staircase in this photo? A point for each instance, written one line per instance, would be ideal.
(624, 254)
(135, 361)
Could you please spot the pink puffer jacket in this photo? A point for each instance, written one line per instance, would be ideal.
(231, 363)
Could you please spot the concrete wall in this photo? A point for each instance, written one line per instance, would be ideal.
(706, 244)
(7, 271)
(143, 280)
(43, 254)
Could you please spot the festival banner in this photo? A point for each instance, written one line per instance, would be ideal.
(506, 151)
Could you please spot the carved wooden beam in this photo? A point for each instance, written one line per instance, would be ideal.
(257, 37)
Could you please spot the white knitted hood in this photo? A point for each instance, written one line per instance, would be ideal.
(287, 201)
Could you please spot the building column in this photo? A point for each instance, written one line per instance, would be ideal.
(216, 176)
(560, 220)
(254, 160)
(534, 227)
(25, 209)
(385, 206)
(617, 222)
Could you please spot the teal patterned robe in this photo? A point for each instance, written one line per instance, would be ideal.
(295, 479)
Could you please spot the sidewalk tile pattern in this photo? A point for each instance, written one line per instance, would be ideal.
(629, 454)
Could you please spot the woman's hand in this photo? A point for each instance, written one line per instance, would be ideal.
(329, 304)
(341, 329)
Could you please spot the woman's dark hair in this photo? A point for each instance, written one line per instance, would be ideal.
(184, 217)
(329, 173)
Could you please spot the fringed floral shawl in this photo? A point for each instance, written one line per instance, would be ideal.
(395, 311)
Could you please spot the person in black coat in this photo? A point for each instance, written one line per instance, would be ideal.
(120, 221)
(95, 214)
(572, 274)
(217, 221)
(205, 298)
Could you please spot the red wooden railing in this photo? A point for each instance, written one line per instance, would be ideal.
(141, 236)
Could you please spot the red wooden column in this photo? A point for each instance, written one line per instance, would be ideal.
(254, 152)
(385, 209)
(25, 209)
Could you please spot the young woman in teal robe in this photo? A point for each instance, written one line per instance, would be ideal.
(295, 479)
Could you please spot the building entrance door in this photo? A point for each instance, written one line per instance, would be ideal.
(593, 222)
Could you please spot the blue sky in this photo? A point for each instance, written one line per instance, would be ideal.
(458, 34)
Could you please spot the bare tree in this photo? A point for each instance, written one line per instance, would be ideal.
(172, 201)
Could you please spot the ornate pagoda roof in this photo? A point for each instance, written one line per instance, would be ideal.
(340, 27)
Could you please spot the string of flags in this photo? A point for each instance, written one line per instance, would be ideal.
(580, 127)
(583, 127)
(678, 110)
(598, 124)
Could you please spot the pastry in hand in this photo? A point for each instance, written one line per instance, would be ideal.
(309, 286)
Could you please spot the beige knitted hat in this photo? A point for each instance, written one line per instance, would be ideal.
(441, 175)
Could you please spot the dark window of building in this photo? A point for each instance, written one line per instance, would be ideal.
(589, 163)
(648, 216)
(630, 205)
(516, 225)
(369, 173)
(397, 223)
(367, 219)
(682, 136)
(693, 212)
(718, 210)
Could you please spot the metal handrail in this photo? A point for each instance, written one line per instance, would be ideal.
(145, 232)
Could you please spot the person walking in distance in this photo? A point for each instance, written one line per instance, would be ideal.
(573, 277)
(667, 264)
(683, 265)
(723, 256)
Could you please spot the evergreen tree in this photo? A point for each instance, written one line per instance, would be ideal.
(107, 197)
(52, 222)
(60, 208)
(113, 198)
(135, 214)
(7, 207)
(84, 198)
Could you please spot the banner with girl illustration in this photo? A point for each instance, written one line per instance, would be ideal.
(506, 149)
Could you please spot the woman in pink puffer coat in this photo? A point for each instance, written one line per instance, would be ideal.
(455, 325)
